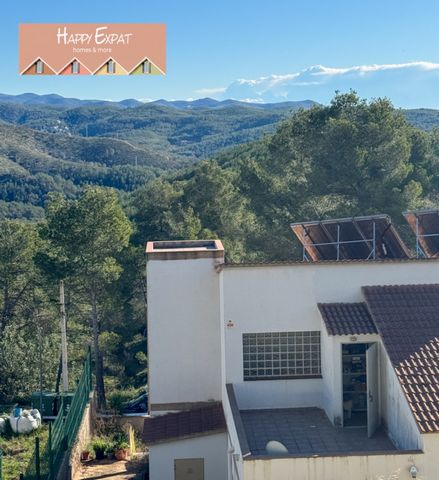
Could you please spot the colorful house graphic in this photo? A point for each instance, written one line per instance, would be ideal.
(110, 67)
(146, 67)
(74, 67)
(38, 67)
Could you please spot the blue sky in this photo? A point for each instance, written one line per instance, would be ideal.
(274, 45)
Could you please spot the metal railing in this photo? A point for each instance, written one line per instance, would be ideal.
(46, 462)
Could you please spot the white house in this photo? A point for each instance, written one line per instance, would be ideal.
(324, 370)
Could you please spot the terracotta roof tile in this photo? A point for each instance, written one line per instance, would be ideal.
(407, 319)
(173, 426)
(347, 318)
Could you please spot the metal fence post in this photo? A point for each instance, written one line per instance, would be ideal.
(90, 374)
(37, 458)
(51, 476)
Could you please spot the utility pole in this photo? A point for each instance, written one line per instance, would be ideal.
(64, 368)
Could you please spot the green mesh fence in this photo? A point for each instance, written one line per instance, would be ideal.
(46, 460)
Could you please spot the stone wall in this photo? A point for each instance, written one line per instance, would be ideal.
(85, 433)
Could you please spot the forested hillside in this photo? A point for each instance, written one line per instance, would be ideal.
(33, 163)
(52, 143)
(349, 158)
(47, 148)
(177, 129)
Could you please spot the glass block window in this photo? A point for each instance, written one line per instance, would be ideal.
(280, 355)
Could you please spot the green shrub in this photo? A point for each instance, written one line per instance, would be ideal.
(117, 398)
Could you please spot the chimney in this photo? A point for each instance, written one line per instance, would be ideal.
(184, 325)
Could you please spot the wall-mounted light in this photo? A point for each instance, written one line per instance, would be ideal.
(413, 471)
(230, 324)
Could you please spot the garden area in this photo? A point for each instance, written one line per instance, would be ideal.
(18, 450)
(114, 452)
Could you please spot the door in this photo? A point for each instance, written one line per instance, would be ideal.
(189, 468)
(373, 413)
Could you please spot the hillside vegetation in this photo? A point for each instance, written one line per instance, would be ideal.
(51, 143)
(47, 148)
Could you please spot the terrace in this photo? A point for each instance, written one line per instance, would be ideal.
(308, 432)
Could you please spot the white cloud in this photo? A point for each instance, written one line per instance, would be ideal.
(408, 84)
(207, 92)
(249, 100)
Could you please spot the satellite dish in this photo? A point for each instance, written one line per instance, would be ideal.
(274, 447)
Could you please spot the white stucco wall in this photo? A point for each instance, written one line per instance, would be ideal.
(371, 467)
(212, 448)
(284, 298)
(184, 329)
(235, 467)
(395, 411)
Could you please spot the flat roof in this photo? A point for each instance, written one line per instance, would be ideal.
(184, 249)
(299, 263)
(307, 432)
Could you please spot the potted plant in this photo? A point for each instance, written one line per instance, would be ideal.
(99, 446)
(121, 450)
(85, 455)
(111, 448)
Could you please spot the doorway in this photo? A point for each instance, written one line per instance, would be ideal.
(360, 386)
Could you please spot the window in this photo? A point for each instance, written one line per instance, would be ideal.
(271, 356)
(75, 67)
(110, 66)
(146, 67)
(39, 66)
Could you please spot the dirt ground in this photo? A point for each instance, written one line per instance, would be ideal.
(133, 469)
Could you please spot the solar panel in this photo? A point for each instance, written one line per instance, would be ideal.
(425, 225)
(356, 238)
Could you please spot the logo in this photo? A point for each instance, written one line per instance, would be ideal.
(92, 49)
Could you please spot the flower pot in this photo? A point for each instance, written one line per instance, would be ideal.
(85, 455)
(99, 454)
(121, 454)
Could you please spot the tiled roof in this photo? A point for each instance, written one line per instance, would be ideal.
(347, 318)
(188, 423)
(407, 318)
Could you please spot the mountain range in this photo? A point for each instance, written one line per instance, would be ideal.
(55, 100)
